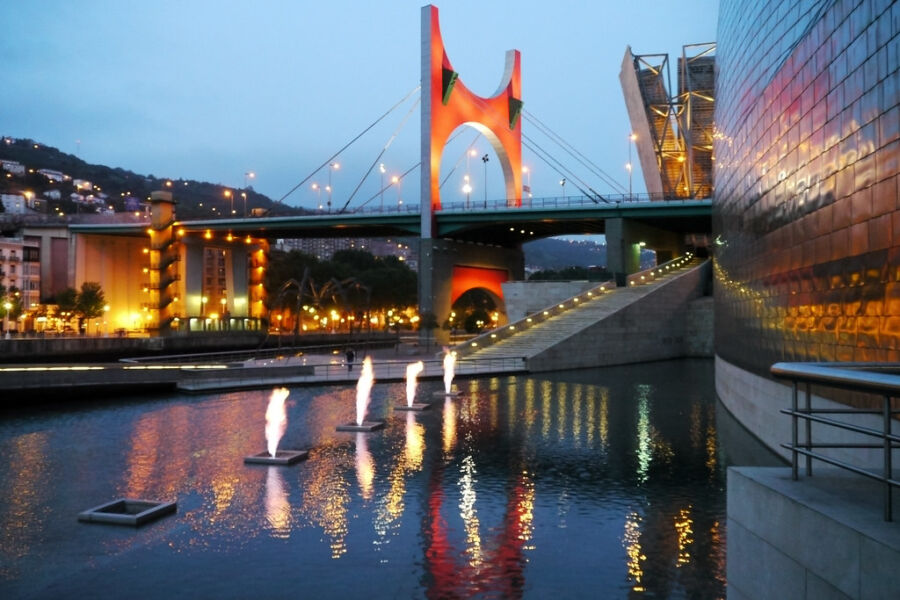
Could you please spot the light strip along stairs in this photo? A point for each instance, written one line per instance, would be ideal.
(545, 328)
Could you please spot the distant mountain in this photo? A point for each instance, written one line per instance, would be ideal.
(196, 199)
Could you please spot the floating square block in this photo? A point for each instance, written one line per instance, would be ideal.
(414, 406)
(127, 511)
(366, 426)
(451, 394)
(282, 457)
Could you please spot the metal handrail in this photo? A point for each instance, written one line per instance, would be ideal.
(855, 377)
(649, 275)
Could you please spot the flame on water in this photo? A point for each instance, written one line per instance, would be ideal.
(276, 419)
(412, 371)
(449, 365)
(363, 387)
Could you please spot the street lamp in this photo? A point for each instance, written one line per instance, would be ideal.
(230, 196)
(396, 181)
(247, 176)
(8, 306)
(467, 189)
(331, 167)
(485, 160)
(629, 166)
(527, 172)
(318, 190)
(382, 169)
(562, 182)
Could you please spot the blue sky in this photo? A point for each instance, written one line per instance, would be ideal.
(209, 90)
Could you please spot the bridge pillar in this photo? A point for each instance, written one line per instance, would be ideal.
(624, 240)
(458, 267)
(446, 105)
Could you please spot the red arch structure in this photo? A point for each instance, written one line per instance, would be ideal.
(466, 278)
(447, 103)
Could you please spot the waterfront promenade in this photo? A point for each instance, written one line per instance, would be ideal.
(240, 371)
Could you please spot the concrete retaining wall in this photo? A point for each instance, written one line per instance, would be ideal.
(812, 539)
(525, 297)
(652, 328)
(755, 401)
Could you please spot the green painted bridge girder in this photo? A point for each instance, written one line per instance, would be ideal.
(502, 226)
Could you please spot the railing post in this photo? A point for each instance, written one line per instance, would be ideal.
(808, 430)
(888, 474)
(794, 474)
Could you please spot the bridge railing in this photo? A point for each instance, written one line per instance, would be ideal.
(510, 329)
(509, 204)
(867, 378)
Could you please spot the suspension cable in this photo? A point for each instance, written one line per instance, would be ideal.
(415, 166)
(380, 154)
(567, 173)
(572, 151)
(351, 142)
(460, 159)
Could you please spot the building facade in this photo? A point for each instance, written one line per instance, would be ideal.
(807, 168)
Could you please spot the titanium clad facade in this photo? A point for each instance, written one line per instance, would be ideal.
(807, 155)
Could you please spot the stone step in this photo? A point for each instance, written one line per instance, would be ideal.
(544, 335)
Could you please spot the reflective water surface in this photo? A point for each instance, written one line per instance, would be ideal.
(601, 483)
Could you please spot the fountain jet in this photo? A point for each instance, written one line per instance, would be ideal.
(412, 371)
(276, 419)
(276, 424)
(449, 372)
(363, 389)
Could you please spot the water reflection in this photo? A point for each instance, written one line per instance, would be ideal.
(278, 508)
(365, 468)
(607, 480)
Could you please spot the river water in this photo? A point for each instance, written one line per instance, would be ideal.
(605, 483)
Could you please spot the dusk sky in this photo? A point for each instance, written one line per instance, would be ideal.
(210, 90)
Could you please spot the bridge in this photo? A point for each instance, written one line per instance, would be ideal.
(175, 270)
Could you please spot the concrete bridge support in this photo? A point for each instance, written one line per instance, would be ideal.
(624, 240)
(447, 268)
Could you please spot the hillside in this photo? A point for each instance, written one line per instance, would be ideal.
(551, 253)
(196, 199)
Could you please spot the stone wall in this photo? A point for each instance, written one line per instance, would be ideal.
(822, 537)
(525, 297)
(652, 328)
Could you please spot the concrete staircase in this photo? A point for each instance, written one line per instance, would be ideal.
(565, 328)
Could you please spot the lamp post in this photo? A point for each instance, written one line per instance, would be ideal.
(629, 166)
(203, 300)
(396, 181)
(8, 306)
(247, 176)
(230, 196)
(562, 182)
(485, 160)
(467, 189)
(318, 190)
(527, 172)
(331, 167)
(382, 169)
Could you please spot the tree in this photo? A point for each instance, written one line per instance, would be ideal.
(89, 302)
(66, 302)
